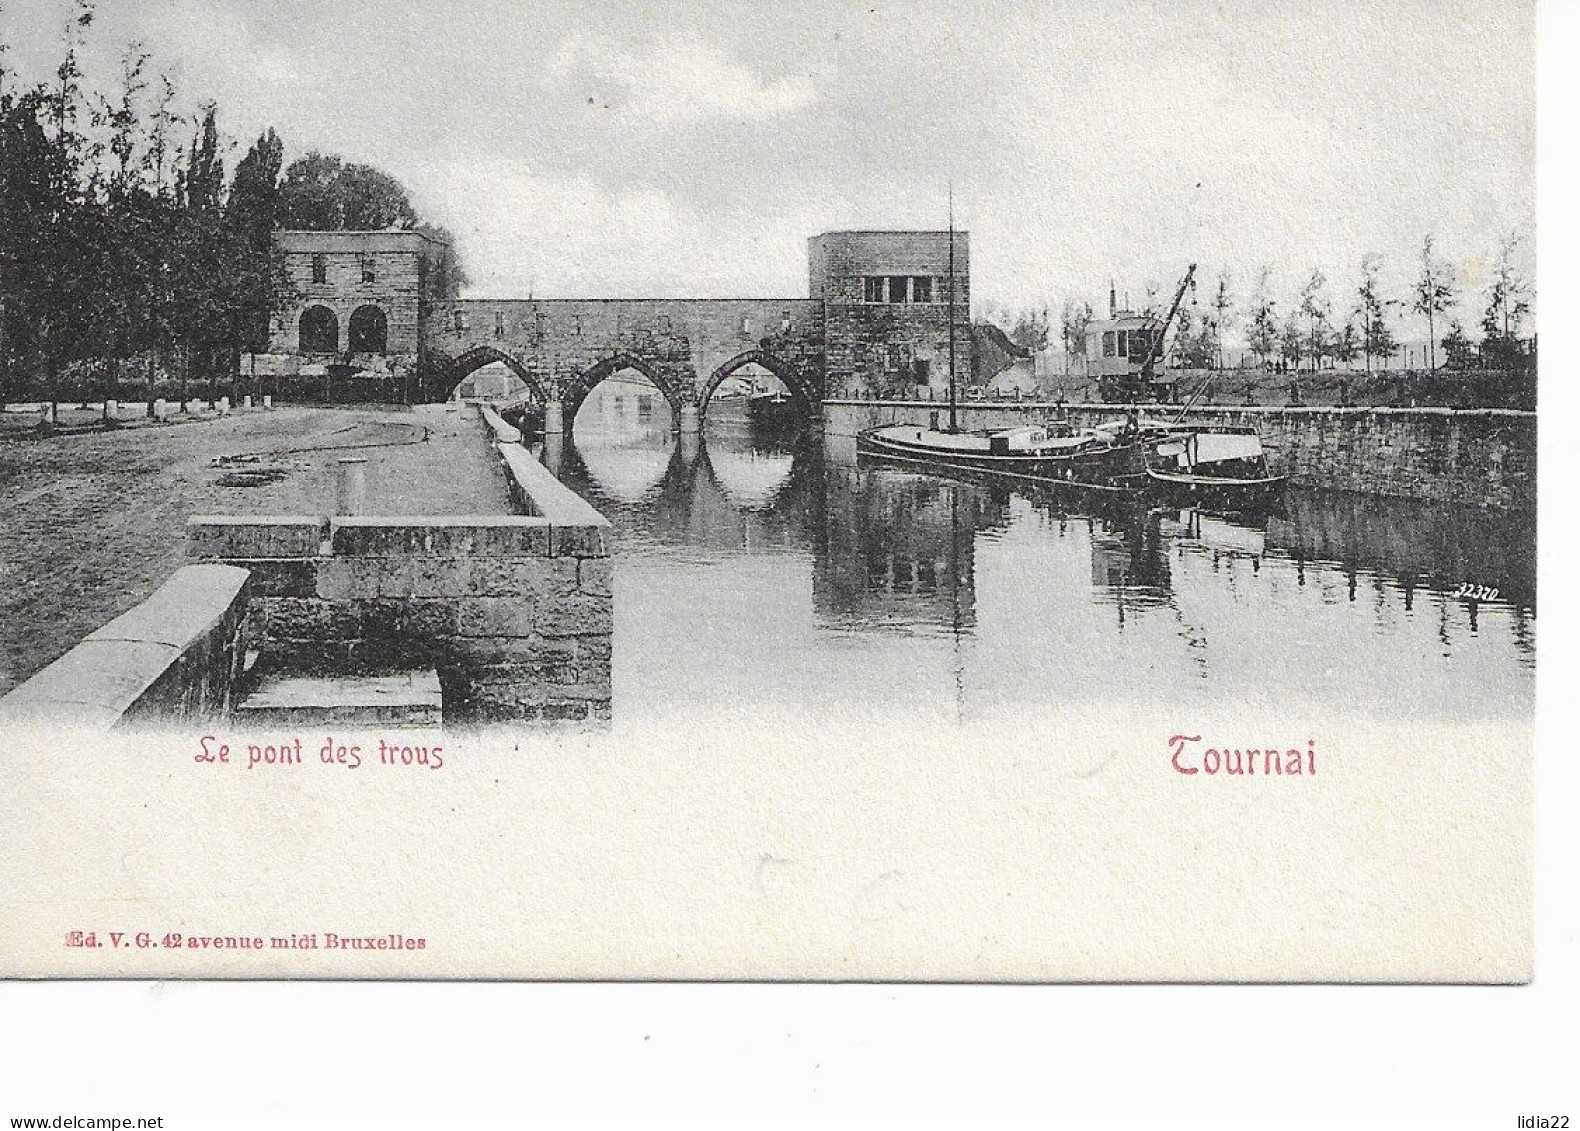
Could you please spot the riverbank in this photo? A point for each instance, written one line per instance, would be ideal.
(1481, 457)
(96, 522)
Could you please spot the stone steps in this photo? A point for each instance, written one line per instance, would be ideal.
(286, 698)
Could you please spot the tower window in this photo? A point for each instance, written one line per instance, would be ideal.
(368, 274)
(320, 268)
(499, 323)
(921, 288)
(872, 288)
(898, 288)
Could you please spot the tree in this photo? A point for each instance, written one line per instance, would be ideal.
(1073, 321)
(1291, 339)
(253, 210)
(1507, 305)
(204, 178)
(1376, 339)
(1459, 353)
(117, 239)
(120, 118)
(1347, 343)
(1222, 317)
(1316, 310)
(1263, 336)
(321, 193)
(372, 199)
(1194, 344)
(1029, 330)
(160, 128)
(1434, 294)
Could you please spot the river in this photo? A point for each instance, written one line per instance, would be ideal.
(754, 570)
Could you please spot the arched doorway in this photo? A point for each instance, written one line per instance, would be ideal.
(368, 330)
(318, 331)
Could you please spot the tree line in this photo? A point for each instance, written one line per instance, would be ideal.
(1314, 327)
(122, 243)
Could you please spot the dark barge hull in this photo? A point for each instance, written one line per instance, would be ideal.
(1220, 493)
(775, 415)
(1118, 468)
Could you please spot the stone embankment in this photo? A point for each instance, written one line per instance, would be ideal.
(1482, 457)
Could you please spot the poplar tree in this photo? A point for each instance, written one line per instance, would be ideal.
(1434, 294)
(1377, 339)
(1263, 336)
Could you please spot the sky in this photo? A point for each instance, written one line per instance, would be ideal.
(690, 148)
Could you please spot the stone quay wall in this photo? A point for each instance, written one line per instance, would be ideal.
(514, 612)
(179, 654)
(1482, 457)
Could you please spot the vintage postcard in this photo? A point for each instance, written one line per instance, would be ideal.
(990, 492)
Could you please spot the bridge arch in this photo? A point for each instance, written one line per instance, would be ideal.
(467, 363)
(798, 385)
(578, 387)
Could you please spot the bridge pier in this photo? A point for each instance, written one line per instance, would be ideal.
(690, 447)
(690, 420)
(554, 418)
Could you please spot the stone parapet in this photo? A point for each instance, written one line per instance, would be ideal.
(178, 654)
(504, 433)
(516, 612)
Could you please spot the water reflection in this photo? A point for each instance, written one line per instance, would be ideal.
(752, 566)
(898, 550)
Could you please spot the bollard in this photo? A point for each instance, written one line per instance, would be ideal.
(352, 487)
(246, 401)
(553, 452)
(223, 404)
(268, 401)
(112, 410)
(161, 409)
(49, 417)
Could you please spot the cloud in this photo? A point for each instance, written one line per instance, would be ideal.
(586, 147)
(674, 82)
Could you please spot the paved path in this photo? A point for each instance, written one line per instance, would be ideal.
(92, 524)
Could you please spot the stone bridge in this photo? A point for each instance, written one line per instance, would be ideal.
(369, 316)
(562, 348)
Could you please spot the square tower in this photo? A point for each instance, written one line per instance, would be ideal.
(353, 293)
(886, 297)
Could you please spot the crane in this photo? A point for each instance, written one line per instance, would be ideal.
(1157, 339)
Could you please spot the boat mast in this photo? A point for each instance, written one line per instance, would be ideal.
(953, 427)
